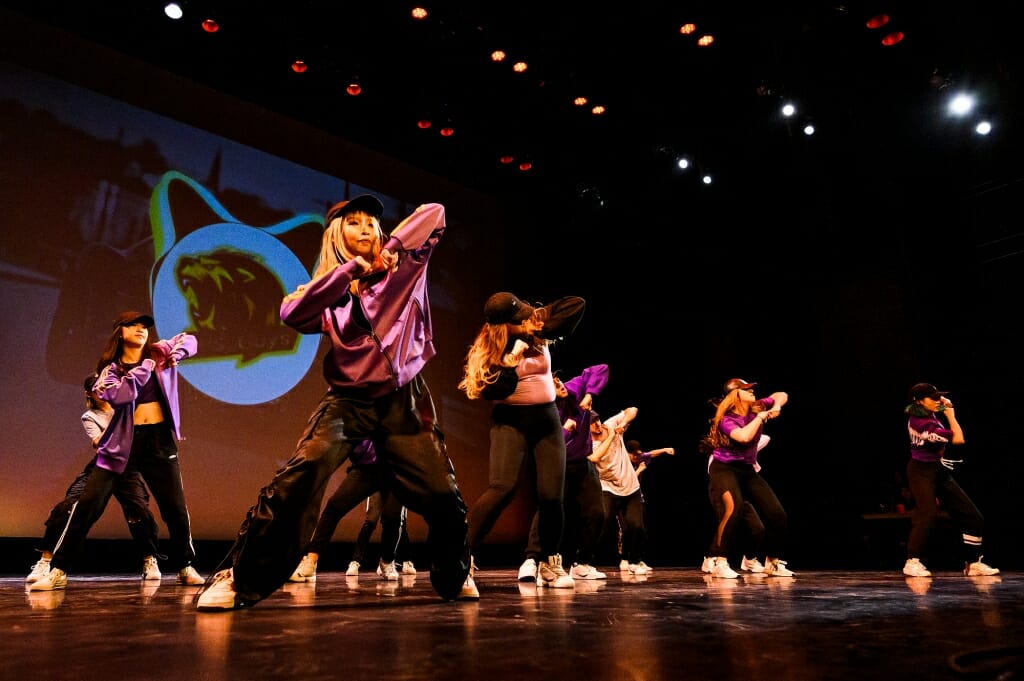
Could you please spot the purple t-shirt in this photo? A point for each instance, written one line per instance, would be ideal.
(740, 452)
(928, 437)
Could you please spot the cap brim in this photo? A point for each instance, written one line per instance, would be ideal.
(144, 318)
(366, 203)
(523, 312)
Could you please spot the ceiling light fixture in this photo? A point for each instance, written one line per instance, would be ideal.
(893, 38)
(173, 10)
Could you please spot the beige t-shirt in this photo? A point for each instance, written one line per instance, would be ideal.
(615, 469)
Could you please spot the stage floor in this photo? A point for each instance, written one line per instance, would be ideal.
(675, 623)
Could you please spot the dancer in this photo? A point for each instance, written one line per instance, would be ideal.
(139, 378)
(583, 504)
(130, 491)
(366, 479)
(389, 514)
(641, 459)
(734, 439)
(929, 474)
(509, 362)
(368, 296)
(620, 487)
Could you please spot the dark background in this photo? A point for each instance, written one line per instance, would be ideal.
(840, 269)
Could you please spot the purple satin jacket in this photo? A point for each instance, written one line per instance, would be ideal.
(385, 356)
(121, 391)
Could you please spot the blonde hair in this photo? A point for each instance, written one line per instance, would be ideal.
(483, 360)
(334, 252)
(730, 403)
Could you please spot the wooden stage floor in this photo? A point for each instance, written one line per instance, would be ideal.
(675, 623)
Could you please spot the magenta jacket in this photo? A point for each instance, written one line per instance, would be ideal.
(121, 390)
(387, 354)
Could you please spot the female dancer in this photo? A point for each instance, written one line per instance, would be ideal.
(130, 491)
(139, 378)
(509, 362)
(733, 476)
(369, 299)
(929, 473)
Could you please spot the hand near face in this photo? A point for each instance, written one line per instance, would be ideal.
(388, 259)
(363, 265)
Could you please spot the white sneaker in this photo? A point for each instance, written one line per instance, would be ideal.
(623, 566)
(551, 573)
(638, 569)
(751, 565)
(306, 572)
(646, 566)
(720, 568)
(220, 595)
(469, 591)
(52, 581)
(915, 568)
(353, 569)
(189, 577)
(708, 564)
(408, 568)
(528, 571)
(979, 569)
(39, 570)
(584, 571)
(150, 569)
(777, 568)
(387, 571)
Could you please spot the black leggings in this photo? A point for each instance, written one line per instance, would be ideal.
(729, 486)
(930, 480)
(520, 431)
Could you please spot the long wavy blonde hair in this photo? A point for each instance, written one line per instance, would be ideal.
(483, 360)
(732, 402)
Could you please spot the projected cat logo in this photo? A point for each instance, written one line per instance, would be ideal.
(230, 298)
(223, 282)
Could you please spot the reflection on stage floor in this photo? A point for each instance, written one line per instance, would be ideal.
(675, 623)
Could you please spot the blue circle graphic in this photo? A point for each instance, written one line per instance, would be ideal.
(257, 379)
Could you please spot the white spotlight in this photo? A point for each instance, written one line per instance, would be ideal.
(173, 10)
(961, 105)
(788, 109)
(983, 128)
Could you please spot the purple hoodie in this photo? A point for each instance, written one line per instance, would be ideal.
(121, 391)
(399, 341)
